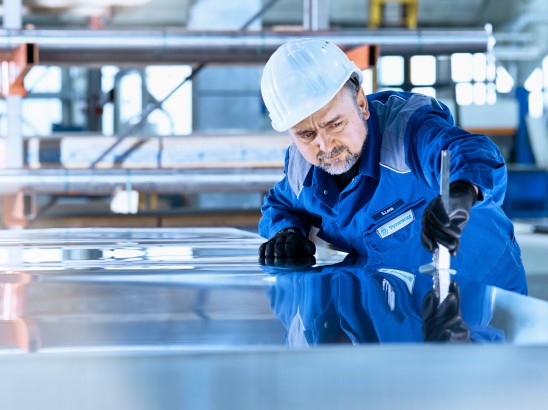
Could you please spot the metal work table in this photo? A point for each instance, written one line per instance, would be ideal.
(188, 318)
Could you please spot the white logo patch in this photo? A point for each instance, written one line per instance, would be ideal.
(408, 278)
(396, 224)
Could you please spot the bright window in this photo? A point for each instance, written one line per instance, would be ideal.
(430, 91)
(480, 93)
(534, 84)
(43, 79)
(504, 81)
(131, 98)
(175, 117)
(464, 93)
(491, 93)
(536, 104)
(480, 66)
(462, 67)
(423, 70)
(534, 81)
(38, 115)
(367, 83)
(391, 70)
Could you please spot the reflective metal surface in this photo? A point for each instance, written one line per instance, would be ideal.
(116, 289)
(187, 318)
(373, 301)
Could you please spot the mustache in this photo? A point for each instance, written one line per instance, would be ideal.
(332, 154)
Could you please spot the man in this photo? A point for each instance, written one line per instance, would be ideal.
(366, 172)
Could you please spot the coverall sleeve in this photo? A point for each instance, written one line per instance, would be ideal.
(474, 157)
(282, 209)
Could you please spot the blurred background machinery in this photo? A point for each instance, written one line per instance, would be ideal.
(134, 120)
(148, 112)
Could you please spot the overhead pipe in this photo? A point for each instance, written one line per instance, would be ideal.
(99, 47)
(526, 20)
(168, 181)
(518, 44)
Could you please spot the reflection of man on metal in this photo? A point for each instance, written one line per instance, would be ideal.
(365, 171)
(359, 301)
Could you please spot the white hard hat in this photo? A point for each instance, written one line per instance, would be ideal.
(301, 77)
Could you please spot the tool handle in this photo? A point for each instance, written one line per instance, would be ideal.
(442, 258)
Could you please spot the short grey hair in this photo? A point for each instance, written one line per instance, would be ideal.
(352, 84)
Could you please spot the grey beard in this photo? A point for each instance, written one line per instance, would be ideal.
(339, 168)
(351, 158)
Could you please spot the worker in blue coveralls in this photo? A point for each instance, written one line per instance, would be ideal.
(365, 171)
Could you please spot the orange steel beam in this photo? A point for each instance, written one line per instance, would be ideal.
(16, 329)
(498, 131)
(365, 56)
(16, 64)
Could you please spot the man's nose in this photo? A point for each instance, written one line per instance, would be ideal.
(325, 143)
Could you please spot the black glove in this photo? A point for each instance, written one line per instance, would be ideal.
(443, 323)
(288, 243)
(289, 263)
(445, 227)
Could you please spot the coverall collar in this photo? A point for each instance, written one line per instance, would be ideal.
(371, 151)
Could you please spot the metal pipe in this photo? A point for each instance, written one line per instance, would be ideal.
(99, 47)
(173, 181)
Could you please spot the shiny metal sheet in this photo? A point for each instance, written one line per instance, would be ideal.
(188, 318)
(89, 289)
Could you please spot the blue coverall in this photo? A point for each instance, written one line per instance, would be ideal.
(379, 212)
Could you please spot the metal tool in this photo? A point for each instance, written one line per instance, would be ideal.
(442, 258)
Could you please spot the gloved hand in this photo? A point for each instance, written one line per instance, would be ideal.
(443, 323)
(288, 263)
(288, 243)
(445, 227)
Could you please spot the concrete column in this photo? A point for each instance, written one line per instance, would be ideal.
(316, 14)
(13, 12)
(14, 138)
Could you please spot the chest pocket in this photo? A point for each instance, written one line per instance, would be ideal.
(397, 228)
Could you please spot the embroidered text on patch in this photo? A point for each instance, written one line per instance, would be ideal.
(396, 224)
(394, 206)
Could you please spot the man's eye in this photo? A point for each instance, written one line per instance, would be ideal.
(308, 136)
(337, 124)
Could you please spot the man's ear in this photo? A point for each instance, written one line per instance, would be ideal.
(362, 103)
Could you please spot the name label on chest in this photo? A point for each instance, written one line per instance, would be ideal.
(389, 209)
(396, 224)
